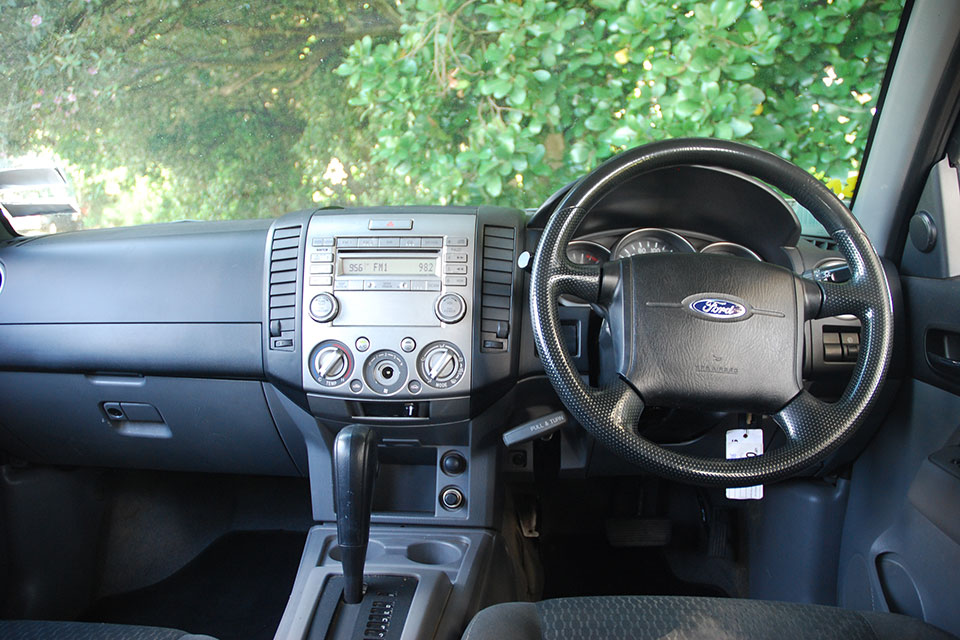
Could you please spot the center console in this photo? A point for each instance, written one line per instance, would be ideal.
(387, 299)
(403, 321)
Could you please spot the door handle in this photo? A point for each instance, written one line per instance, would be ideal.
(943, 352)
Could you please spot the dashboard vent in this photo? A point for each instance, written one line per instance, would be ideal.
(823, 243)
(497, 286)
(282, 296)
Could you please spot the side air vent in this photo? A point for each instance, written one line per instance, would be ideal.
(282, 295)
(499, 255)
(823, 243)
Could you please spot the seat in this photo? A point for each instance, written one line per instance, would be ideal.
(44, 630)
(687, 618)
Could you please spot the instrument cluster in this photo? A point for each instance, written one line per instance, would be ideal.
(650, 240)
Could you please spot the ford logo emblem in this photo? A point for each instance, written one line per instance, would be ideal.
(718, 308)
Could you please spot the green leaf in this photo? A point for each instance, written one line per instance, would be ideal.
(740, 127)
(542, 75)
(596, 122)
(580, 153)
(493, 185)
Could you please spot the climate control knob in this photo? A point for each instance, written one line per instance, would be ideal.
(331, 363)
(441, 365)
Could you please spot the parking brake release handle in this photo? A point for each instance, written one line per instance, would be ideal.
(538, 428)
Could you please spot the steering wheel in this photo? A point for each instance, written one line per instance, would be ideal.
(710, 331)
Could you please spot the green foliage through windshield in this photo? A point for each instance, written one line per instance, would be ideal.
(166, 110)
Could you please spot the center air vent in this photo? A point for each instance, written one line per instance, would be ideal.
(282, 295)
(496, 297)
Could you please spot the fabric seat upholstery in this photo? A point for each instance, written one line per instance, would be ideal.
(687, 618)
(49, 630)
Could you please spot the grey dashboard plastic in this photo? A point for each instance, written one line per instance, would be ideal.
(179, 299)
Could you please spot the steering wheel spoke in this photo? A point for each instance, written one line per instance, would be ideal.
(582, 281)
(841, 298)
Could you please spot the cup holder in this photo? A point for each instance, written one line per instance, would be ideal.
(433, 552)
(374, 550)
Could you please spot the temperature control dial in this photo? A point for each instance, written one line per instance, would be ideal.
(331, 363)
(441, 365)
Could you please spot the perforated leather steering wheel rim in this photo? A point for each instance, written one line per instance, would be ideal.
(813, 428)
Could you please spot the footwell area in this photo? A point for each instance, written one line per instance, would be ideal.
(235, 590)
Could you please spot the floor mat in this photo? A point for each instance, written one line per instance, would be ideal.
(235, 590)
(588, 566)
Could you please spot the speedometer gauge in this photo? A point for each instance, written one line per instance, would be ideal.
(587, 252)
(644, 241)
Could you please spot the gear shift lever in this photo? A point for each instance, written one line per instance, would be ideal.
(355, 467)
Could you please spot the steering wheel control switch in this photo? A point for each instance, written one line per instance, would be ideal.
(538, 428)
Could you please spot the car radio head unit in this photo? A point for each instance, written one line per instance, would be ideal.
(388, 305)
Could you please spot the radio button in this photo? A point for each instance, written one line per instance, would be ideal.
(386, 285)
(458, 269)
(321, 268)
(418, 285)
(456, 241)
(346, 243)
(433, 285)
(366, 243)
(451, 307)
(321, 281)
(348, 285)
(408, 344)
(324, 307)
(410, 242)
(322, 242)
(455, 281)
(389, 242)
(431, 243)
(456, 257)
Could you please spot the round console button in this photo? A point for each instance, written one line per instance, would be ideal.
(362, 344)
(414, 386)
(451, 498)
(324, 307)
(356, 386)
(453, 464)
(450, 308)
(408, 344)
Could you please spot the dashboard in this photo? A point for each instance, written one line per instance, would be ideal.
(216, 346)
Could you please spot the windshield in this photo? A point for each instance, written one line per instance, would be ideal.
(160, 110)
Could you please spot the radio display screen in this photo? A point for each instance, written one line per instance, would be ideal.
(388, 266)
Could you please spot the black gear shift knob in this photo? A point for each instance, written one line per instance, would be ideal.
(355, 467)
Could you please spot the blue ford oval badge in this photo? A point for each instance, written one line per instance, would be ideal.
(718, 308)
